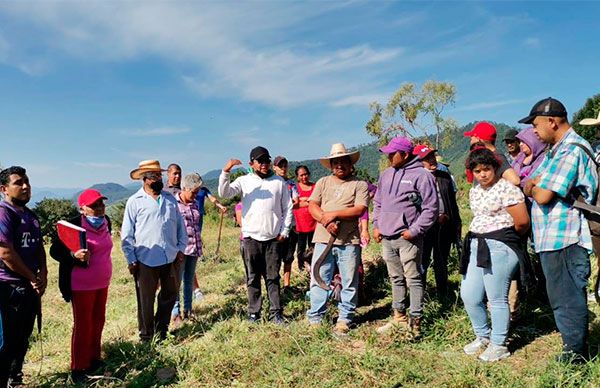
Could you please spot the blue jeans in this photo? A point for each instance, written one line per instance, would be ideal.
(347, 260)
(567, 272)
(493, 282)
(187, 270)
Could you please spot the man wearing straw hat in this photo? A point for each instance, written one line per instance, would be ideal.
(153, 241)
(336, 203)
(266, 221)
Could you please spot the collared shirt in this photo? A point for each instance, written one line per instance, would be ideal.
(21, 228)
(152, 232)
(192, 217)
(565, 167)
(266, 204)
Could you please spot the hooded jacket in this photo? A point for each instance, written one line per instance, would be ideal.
(525, 171)
(406, 199)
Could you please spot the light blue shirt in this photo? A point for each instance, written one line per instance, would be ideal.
(152, 231)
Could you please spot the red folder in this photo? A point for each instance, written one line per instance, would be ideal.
(72, 236)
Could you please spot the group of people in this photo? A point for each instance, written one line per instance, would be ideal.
(525, 196)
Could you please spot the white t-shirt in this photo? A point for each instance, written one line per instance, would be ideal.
(489, 206)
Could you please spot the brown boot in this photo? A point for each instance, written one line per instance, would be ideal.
(415, 326)
(399, 319)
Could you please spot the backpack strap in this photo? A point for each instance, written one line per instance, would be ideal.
(590, 155)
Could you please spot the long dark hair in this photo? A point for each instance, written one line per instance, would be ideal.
(301, 167)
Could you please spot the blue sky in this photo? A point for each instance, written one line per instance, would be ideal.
(88, 89)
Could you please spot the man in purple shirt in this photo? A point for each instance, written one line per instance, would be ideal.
(23, 272)
(405, 207)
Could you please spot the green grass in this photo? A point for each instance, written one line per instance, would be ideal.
(221, 349)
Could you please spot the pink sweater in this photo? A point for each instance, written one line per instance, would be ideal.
(97, 275)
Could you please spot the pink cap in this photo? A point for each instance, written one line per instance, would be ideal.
(399, 143)
(88, 197)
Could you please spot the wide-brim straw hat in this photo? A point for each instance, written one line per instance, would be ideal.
(146, 166)
(338, 150)
(591, 122)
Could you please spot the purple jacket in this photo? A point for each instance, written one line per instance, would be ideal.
(525, 171)
(406, 198)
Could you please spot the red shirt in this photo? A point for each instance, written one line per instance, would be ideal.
(304, 221)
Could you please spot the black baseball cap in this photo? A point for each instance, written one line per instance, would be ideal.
(259, 151)
(510, 135)
(547, 107)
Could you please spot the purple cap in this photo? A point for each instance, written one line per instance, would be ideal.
(399, 143)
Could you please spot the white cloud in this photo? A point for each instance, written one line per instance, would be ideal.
(489, 104)
(98, 165)
(160, 131)
(362, 100)
(532, 42)
(247, 137)
(231, 47)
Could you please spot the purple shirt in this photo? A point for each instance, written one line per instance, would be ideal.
(192, 217)
(406, 198)
(20, 228)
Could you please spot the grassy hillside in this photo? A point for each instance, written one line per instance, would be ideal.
(221, 349)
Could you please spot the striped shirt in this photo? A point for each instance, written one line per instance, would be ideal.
(565, 167)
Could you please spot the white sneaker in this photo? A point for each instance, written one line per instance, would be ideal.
(494, 353)
(479, 344)
(198, 295)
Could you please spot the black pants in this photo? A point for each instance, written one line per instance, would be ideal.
(437, 241)
(262, 260)
(288, 247)
(304, 248)
(147, 280)
(18, 306)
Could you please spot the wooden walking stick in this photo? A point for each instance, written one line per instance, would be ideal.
(219, 236)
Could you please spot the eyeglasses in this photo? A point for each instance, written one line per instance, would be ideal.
(96, 205)
(263, 160)
(153, 177)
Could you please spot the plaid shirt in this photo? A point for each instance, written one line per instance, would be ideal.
(558, 225)
(192, 218)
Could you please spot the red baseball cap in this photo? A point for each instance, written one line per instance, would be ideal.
(422, 151)
(88, 197)
(484, 131)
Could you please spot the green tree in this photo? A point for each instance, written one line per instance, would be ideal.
(414, 113)
(589, 110)
(50, 211)
(115, 212)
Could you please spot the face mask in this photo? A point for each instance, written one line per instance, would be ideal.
(156, 186)
(96, 222)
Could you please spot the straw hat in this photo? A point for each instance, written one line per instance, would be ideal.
(339, 150)
(591, 122)
(146, 166)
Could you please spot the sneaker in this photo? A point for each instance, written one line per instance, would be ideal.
(198, 295)
(278, 320)
(254, 318)
(176, 321)
(78, 376)
(494, 353)
(400, 319)
(570, 357)
(15, 379)
(476, 346)
(341, 329)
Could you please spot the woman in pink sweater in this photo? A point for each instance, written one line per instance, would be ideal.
(84, 277)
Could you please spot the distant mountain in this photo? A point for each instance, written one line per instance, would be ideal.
(39, 193)
(113, 191)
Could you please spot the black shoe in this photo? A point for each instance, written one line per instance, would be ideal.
(78, 376)
(15, 379)
(254, 318)
(278, 320)
(96, 366)
(570, 357)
